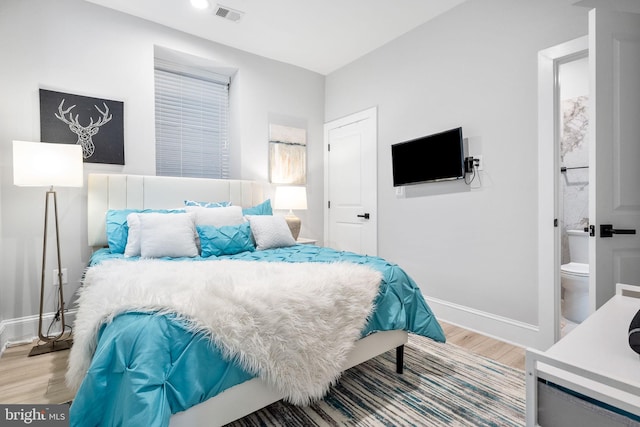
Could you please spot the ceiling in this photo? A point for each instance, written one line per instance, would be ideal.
(321, 35)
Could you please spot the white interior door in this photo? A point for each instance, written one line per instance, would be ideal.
(351, 183)
(614, 157)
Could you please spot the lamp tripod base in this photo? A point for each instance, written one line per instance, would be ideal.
(51, 346)
(51, 343)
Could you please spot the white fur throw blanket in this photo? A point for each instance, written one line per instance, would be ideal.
(291, 324)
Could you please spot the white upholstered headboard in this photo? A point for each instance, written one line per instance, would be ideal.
(117, 191)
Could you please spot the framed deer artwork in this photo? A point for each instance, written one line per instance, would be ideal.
(95, 124)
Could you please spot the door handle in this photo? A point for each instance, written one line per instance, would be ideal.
(607, 230)
(365, 216)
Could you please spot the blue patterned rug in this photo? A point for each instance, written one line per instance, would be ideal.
(442, 385)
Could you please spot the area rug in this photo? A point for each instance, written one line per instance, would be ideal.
(442, 385)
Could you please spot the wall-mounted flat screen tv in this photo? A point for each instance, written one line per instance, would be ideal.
(435, 157)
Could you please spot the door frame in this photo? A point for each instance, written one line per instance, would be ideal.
(548, 185)
(370, 114)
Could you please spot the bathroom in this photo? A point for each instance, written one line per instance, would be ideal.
(573, 79)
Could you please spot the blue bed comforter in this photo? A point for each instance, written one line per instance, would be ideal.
(147, 367)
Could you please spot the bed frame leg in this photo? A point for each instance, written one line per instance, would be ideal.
(400, 359)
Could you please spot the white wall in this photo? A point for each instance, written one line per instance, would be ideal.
(474, 253)
(573, 78)
(77, 47)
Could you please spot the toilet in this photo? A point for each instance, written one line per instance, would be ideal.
(574, 278)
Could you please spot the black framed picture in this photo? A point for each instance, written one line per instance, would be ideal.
(94, 123)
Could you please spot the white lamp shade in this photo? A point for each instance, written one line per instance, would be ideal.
(290, 198)
(43, 164)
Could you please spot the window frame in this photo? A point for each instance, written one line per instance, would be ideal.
(189, 143)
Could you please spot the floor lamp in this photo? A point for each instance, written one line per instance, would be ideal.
(291, 197)
(41, 164)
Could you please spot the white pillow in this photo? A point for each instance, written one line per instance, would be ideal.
(164, 235)
(270, 231)
(133, 237)
(218, 217)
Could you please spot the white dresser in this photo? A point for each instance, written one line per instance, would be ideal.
(591, 377)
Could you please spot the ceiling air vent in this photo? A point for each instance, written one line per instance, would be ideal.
(228, 13)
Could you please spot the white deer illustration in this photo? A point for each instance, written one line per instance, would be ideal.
(84, 132)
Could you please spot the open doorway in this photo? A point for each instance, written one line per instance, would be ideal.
(550, 177)
(613, 45)
(573, 189)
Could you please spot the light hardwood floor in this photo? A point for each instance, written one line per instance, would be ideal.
(40, 379)
(36, 380)
(500, 351)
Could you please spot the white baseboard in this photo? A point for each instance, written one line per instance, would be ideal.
(502, 328)
(25, 329)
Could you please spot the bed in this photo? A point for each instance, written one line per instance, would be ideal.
(151, 350)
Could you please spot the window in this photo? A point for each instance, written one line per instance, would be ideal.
(192, 120)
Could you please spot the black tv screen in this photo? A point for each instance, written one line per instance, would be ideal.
(435, 157)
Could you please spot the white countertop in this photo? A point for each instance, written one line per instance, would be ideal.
(601, 342)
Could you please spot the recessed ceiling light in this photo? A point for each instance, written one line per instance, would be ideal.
(200, 4)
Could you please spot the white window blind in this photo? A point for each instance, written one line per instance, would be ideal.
(192, 119)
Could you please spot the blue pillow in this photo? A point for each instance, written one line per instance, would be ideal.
(263, 208)
(225, 240)
(118, 229)
(207, 204)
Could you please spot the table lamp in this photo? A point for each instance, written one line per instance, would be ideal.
(41, 164)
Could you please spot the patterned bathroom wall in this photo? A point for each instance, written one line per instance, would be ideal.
(574, 153)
